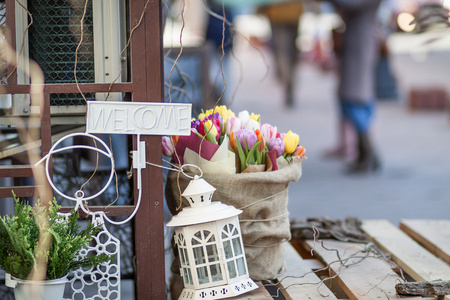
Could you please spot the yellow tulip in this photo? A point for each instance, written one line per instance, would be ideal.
(203, 115)
(255, 117)
(224, 112)
(211, 128)
(290, 142)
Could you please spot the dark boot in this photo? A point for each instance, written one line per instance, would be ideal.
(367, 160)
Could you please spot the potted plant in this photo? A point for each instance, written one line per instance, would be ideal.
(21, 238)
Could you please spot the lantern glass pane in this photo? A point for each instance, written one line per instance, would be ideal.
(231, 269)
(235, 231)
(202, 273)
(211, 239)
(237, 246)
(198, 235)
(206, 234)
(211, 250)
(186, 256)
(227, 249)
(186, 276)
(241, 266)
(216, 273)
(190, 277)
(199, 255)
(183, 261)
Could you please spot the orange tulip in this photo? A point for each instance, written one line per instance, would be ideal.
(233, 141)
(300, 151)
(260, 138)
(175, 139)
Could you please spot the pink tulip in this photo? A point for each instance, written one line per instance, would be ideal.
(168, 147)
(269, 132)
(232, 124)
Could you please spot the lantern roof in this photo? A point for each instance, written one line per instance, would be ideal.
(210, 213)
(198, 185)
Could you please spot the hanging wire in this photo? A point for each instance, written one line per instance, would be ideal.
(78, 48)
(183, 4)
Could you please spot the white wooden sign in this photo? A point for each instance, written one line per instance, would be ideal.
(145, 118)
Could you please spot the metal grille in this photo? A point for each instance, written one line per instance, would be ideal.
(54, 38)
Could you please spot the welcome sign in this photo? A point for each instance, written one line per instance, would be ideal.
(145, 118)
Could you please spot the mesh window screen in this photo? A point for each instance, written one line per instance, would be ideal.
(54, 38)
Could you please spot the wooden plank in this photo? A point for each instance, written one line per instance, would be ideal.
(20, 191)
(299, 282)
(35, 144)
(415, 260)
(412, 258)
(360, 274)
(260, 293)
(110, 211)
(68, 87)
(434, 235)
(16, 171)
(147, 74)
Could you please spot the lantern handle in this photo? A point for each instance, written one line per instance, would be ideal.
(191, 165)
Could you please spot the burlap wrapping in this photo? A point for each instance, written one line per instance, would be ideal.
(263, 197)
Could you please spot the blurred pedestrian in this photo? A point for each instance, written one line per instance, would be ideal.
(356, 89)
(284, 20)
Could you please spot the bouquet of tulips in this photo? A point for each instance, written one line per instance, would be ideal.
(223, 142)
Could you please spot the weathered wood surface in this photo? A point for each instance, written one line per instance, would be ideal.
(411, 257)
(299, 282)
(434, 235)
(360, 274)
(420, 264)
(424, 288)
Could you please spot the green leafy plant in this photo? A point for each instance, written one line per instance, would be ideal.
(19, 235)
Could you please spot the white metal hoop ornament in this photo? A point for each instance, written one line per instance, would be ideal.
(52, 151)
(191, 165)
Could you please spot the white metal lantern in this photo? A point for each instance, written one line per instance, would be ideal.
(209, 240)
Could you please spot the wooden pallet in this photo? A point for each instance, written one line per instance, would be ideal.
(419, 248)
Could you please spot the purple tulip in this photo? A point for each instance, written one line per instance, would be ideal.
(249, 135)
(277, 144)
(195, 123)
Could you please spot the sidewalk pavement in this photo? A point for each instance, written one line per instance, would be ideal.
(413, 145)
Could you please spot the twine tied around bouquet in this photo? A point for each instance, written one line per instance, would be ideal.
(179, 170)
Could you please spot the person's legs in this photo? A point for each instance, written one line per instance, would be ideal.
(360, 114)
(346, 138)
(285, 53)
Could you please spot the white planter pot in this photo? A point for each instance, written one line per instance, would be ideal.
(37, 290)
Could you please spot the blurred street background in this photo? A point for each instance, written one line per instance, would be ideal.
(412, 122)
(413, 144)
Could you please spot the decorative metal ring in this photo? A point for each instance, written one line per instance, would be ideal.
(191, 165)
(107, 153)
